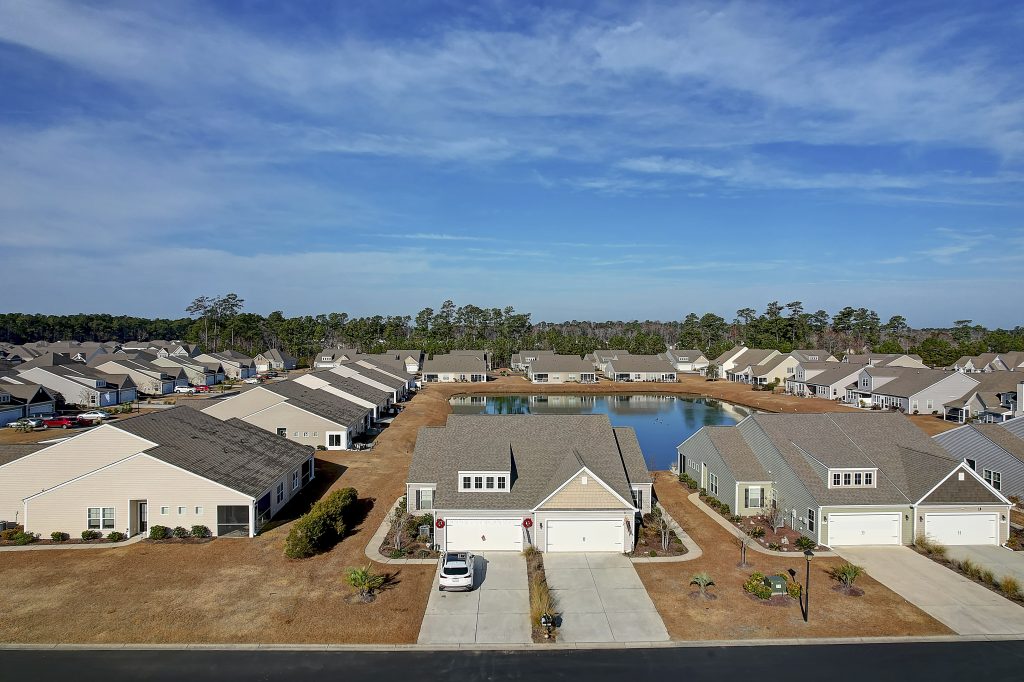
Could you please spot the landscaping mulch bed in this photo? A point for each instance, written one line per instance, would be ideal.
(780, 540)
(648, 543)
(537, 580)
(848, 591)
(181, 541)
(72, 541)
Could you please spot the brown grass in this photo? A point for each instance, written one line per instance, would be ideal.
(541, 599)
(733, 615)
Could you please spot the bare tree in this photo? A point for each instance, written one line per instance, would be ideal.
(661, 524)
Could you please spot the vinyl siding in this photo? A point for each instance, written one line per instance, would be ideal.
(576, 495)
(966, 443)
(741, 507)
(296, 420)
(411, 489)
(699, 450)
(953, 387)
(54, 465)
(563, 378)
(139, 478)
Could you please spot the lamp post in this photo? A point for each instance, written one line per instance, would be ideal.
(808, 554)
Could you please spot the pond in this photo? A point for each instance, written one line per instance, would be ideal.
(661, 422)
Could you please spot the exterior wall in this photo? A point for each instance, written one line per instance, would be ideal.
(36, 409)
(453, 377)
(1003, 518)
(954, 386)
(647, 489)
(741, 507)
(906, 519)
(563, 377)
(311, 429)
(286, 479)
(410, 490)
(139, 478)
(244, 404)
(73, 392)
(353, 374)
(576, 495)
(966, 443)
(667, 375)
(10, 414)
(58, 463)
(783, 371)
(698, 453)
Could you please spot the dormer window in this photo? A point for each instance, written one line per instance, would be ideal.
(852, 478)
(483, 481)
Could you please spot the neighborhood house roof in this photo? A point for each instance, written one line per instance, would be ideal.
(641, 363)
(322, 403)
(455, 363)
(910, 381)
(561, 363)
(834, 375)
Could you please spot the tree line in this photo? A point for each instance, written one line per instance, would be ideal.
(220, 323)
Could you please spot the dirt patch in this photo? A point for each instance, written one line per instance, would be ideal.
(932, 424)
(879, 612)
(848, 591)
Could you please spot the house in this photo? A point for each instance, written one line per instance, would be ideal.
(77, 384)
(175, 467)
(813, 355)
(1009, 362)
(470, 352)
(688, 361)
(775, 370)
(18, 400)
(561, 483)
(274, 359)
(521, 360)
(996, 451)
(727, 360)
(300, 413)
(332, 357)
(387, 366)
(908, 389)
(561, 369)
(847, 478)
(79, 351)
(378, 400)
(197, 372)
(640, 368)
(411, 358)
(806, 370)
(371, 374)
(600, 358)
(885, 360)
(235, 365)
(970, 364)
(831, 384)
(740, 368)
(995, 398)
(454, 367)
(149, 378)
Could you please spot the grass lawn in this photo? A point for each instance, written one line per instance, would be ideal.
(734, 615)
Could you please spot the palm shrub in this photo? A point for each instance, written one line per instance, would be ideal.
(365, 581)
(846, 573)
(703, 581)
(804, 542)
(756, 532)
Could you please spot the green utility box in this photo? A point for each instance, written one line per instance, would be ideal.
(776, 583)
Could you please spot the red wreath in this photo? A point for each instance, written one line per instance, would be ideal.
(439, 523)
(527, 522)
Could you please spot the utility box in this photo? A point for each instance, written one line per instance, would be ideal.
(424, 532)
(776, 583)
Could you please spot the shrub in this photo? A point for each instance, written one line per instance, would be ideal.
(59, 536)
(703, 581)
(91, 535)
(159, 532)
(180, 532)
(988, 577)
(298, 544)
(321, 526)
(970, 569)
(735, 518)
(930, 547)
(652, 553)
(8, 535)
(688, 481)
(321, 447)
(200, 532)
(530, 552)
(755, 586)
(703, 493)
(804, 542)
(116, 536)
(23, 538)
(774, 546)
(724, 508)
(541, 600)
(365, 581)
(846, 573)
(793, 589)
(1010, 587)
(756, 532)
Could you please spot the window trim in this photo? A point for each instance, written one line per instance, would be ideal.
(812, 521)
(101, 518)
(477, 481)
(993, 478)
(840, 477)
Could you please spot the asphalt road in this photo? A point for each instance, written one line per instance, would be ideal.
(934, 662)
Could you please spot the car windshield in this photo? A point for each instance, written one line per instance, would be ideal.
(456, 569)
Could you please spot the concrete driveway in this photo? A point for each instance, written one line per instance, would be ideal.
(964, 606)
(497, 611)
(601, 599)
(1001, 561)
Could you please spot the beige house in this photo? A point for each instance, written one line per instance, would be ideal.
(561, 369)
(640, 368)
(176, 467)
(235, 365)
(455, 367)
(506, 482)
(274, 359)
(687, 360)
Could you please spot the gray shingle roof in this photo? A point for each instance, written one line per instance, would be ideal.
(322, 403)
(753, 356)
(356, 388)
(470, 364)
(641, 363)
(9, 453)
(835, 374)
(912, 380)
(537, 449)
(378, 376)
(233, 453)
(736, 454)
(561, 363)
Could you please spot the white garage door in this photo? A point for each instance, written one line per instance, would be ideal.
(584, 535)
(478, 535)
(962, 529)
(882, 528)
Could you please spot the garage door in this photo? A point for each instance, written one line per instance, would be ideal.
(882, 528)
(584, 535)
(477, 535)
(962, 529)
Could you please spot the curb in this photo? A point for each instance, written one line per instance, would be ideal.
(756, 546)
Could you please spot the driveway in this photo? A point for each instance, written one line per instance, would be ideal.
(1001, 561)
(497, 611)
(961, 604)
(601, 599)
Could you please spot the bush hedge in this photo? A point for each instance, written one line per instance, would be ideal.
(322, 526)
(116, 536)
(180, 532)
(59, 536)
(91, 535)
(755, 586)
(23, 538)
(200, 532)
(159, 532)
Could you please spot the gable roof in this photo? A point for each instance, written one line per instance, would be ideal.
(456, 362)
(321, 403)
(353, 386)
(233, 453)
(971, 440)
(736, 453)
(837, 372)
(561, 363)
(912, 380)
(641, 363)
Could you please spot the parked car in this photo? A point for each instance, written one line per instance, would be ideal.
(26, 422)
(201, 389)
(185, 389)
(251, 380)
(60, 423)
(456, 571)
(93, 415)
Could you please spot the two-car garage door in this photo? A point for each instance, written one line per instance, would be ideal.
(962, 529)
(584, 535)
(478, 535)
(877, 528)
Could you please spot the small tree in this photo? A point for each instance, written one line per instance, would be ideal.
(703, 581)
(711, 373)
(743, 542)
(365, 581)
(399, 519)
(660, 524)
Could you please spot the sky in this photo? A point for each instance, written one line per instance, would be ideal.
(582, 160)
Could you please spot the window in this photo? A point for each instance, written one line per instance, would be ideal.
(754, 497)
(931, 404)
(305, 434)
(295, 480)
(810, 519)
(483, 481)
(101, 518)
(852, 479)
(280, 493)
(869, 478)
(181, 511)
(425, 498)
(993, 478)
(501, 482)
(466, 482)
(326, 358)
(847, 479)
(315, 434)
(837, 479)
(199, 511)
(164, 511)
(858, 478)
(478, 482)
(295, 435)
(712, 484)
(490, 482)
(334, 440)
(638, 498)
(971, 463)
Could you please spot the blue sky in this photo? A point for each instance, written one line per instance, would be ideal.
(579, 161)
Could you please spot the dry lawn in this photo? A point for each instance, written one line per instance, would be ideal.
(734, 615)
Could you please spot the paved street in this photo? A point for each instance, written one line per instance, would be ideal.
(935, 662)
(964, 606)
(497, 611)
(601, 599)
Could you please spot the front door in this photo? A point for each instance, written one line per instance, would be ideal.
(143, 517)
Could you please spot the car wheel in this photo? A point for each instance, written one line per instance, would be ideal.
(440, 588)
(64, 427)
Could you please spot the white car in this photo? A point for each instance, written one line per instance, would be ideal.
(456, 571)
(251, 380)
(184, 389)
(26, 422)
(93, 415)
